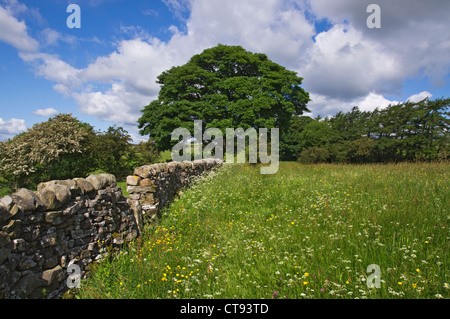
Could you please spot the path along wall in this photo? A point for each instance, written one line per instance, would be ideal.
(79, 221)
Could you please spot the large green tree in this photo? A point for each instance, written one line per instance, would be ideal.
(224, 87)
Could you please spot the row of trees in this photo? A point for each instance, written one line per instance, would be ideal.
(229, 87)
(63, 147)
(401, 132)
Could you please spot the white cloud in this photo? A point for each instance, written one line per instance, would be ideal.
(11, 127)
(178, 7)
(413, 32)
(419, 96)
(347, 65)
(14, 7)
(276, 28)
(52, 68)
(48, 112)
(15, 32)
(343, 64)
(326, 106)
(50, 37)
(131, 70)
(373, 101)
(117, 105)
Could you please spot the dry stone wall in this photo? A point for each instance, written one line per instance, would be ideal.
(79, 221)
(63, 222)
(152, 186)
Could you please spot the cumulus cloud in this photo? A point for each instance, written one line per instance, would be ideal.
(15, 32)
(48, 112)
(326, 106)
(131, 70)
(343, 64)
(419, 96)
(346, 65)
(413, 32)
(52, 68)
(11, 127)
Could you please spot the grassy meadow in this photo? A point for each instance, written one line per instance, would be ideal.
(309, 231)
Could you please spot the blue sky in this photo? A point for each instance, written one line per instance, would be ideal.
(104, 72)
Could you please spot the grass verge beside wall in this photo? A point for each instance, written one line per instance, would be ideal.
(309, 231)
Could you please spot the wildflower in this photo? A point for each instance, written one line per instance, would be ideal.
(305, 283)
(400, 283)
(414, 286)
(418, 270)
(275, 294)
(306, 274)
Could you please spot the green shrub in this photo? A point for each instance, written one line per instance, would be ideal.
(314, 155)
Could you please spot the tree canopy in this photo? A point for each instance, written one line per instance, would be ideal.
(408, 131)
(225, 87)
(41, 146)
(63, 147)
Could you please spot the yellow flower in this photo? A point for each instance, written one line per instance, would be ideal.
(306, 274)
(305, 283)
(426, 241)
(400, 283)
(347, 282)
(414, 286)
(418, 270)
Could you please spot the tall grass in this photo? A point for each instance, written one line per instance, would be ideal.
(309, 231)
